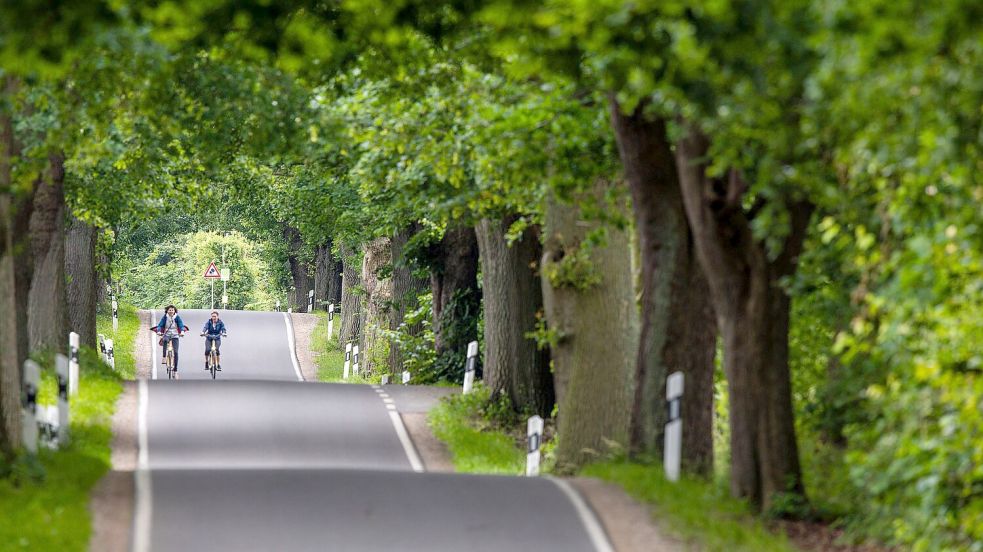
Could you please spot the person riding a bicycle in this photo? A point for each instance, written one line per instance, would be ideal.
(170, 328)
(213, 331)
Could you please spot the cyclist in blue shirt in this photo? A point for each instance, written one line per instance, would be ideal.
(213, 330)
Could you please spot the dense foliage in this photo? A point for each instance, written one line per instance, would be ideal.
(356, 121)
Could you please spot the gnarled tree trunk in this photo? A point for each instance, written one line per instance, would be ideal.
(300, 274)
(351, 297)
(47, 320)
(377, 304)
(513, 301)
(80, 265)
(753, 314)
(678, 331)
(322, 274)
(456, 298)
(406, 289)
(590, 307)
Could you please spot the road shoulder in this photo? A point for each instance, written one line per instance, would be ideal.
(113, 498)
(304, 325)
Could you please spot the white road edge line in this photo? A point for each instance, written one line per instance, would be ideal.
(153, 345)
(591, 524)
(404, 439)
(291, 341)
(144, 505)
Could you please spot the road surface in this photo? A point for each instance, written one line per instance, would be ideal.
(257, 460)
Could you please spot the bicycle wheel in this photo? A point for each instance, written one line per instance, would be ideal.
(213, 363)
(170, 361)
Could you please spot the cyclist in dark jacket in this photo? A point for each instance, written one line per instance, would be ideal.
(170, 328)
(213, 330)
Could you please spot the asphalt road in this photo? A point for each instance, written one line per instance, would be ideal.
(257, 460)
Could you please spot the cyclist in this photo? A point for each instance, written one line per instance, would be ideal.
(213, 330)
(170, 328)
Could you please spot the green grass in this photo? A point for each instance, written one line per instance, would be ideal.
(700, 512)
(45, 502)
(330, 358)
(474, 445)
(123, 339)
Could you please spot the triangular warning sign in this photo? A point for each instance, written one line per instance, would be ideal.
(212, 271)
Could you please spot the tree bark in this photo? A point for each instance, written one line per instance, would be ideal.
(16, 267)
(752, 312)
(376, 304)
(322, 274)
(351, 297)
(513, 303)
(334, 270)
(456, 299)
(80, 265)
(595, 329)
(47, 319)
(678, 331)
(406, 290)
(300, 274)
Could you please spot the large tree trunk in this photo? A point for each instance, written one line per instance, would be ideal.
(590, 307)
(351, 297)
(16, 267)
(47, 320)
(334, 270)
(456, 299)
(80, 264)
(513, 300)
(322, 274)
(406, 289)
(300, 274)
(678, 330)
(377, 304)
(753, 314)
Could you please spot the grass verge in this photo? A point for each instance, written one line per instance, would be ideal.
(45, 500)
(475, 446)
(330, 358)
(698, 511)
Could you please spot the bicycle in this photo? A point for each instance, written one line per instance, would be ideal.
(169, 359)
(213, 363)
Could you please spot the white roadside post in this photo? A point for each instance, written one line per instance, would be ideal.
(385, 379)
(226, 276)
(534, 438)
(348, 360)
(61, 368)
(73, 363)
(406, 377)
(278, 305)
(470, 366)
(115, 316)
(32, 383)
(674, 426)
(355, 360)
(102, 347)
(310, 301)
(110, 354)
(330, 320)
